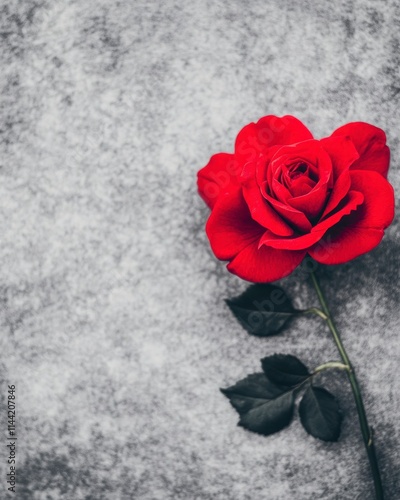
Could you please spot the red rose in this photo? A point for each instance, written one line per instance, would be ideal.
(284, 194)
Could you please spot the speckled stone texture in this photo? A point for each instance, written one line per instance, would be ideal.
(113, 325)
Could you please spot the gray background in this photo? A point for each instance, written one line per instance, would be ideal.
(113, 325)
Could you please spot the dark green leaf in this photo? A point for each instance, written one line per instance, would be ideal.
(262, 310)
(248, 392)
(284, 370)
(320, 414)
(263, 407)
(270, 417)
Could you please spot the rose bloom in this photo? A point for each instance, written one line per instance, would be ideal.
(283, 194)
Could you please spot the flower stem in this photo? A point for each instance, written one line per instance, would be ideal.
(366, 431)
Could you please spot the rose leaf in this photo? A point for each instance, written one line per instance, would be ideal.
(285, 370)
(320, 414)
(263, 309)
(263, 407)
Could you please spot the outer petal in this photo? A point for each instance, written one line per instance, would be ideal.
(370, 142)
(269, 131)
(219, 176)
(265, 264)
(342, 152)
(377, 211)
(343, 244)
(230, 227)
(363, 230)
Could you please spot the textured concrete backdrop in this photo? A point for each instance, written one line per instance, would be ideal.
(113, 325)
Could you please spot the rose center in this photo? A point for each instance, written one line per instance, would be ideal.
(299, 177)
(297, 170)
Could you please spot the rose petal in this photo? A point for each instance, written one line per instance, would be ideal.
(259, 208)
(270, 130)
(342, 152)
(280, 191)
(339, 191)
(308, 151)
(299, 243)
(353, 200)
(265, 264)
(296, 218)
(219, 176)
(230, 227)
(262, 164)
(312, 203)
(377, 211)
(362, 230)
(339, 245)
(349, 204)
(370, 142)
(312, 153)
(301, 187)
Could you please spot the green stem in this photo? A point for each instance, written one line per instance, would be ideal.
(366, 431)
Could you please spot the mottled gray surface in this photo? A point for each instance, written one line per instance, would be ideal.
(113, 325)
